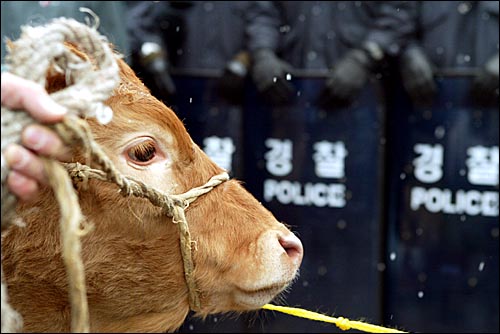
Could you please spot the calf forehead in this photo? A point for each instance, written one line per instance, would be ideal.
(136, 109)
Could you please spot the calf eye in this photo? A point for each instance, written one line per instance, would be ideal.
(142, 152)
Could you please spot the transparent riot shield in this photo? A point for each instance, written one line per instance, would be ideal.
(213, 123)
(217, 127)
(321, 172)
(442, 253)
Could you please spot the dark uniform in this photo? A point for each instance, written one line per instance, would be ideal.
(459, 33)
(192, 36)
(347, 37)
(110, 13)
(453, 34)
(316, 34)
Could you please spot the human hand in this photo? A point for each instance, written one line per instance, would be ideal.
(484, 88)
(231, 85)
(154, 60)
(346, 80)
(27, 172)
(270, 76)
(418, 76)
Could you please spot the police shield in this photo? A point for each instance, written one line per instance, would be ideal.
(213, 123)
(442, 252)
(320, 171)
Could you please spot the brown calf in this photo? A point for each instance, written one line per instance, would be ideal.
(243, 257)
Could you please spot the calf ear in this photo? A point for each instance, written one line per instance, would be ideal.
(57, 80)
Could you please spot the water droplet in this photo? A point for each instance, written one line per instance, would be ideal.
(348, 193)
(419, 231)
(299, 93)
(427, 114)
(285, 28)
(439, 50)
(481, 266)
(191, 327)
(316, 10)
(472, 282)
(305, 283)
(330, 34)
(311, 55)
(104, 114)
(463, 218)
(462, 59)
(341, 224)
(288, 76)
(394, 48)
(380, 266)
(439, 132)
(275, 79)
(322, 271)
(392, 256)
(190, 100)
(402, 176)
(177, 28)
(494, 232)
(302, 17)
(464, 7)
(215, 319)
(462, 172)
(420, 294)
(208, 6)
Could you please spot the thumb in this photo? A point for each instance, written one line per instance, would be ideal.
(19, 93)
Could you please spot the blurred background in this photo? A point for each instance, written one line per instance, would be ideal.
(370, 127)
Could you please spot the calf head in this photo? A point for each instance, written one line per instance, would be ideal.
(243, 257)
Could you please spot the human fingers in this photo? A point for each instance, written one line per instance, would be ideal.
(25, 162)
(22, 186)
(42, 140)
(19, 93)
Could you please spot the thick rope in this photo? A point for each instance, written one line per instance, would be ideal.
(30, 57)
(71, 218)
(173, 206)
(44, 46)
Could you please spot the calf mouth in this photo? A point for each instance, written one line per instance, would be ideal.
(256, 298)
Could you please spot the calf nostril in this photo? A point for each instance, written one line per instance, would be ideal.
(292, 245)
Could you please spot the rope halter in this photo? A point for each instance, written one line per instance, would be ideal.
(37, 50)
(173, 206)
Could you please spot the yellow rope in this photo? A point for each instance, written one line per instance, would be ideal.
(342, 323)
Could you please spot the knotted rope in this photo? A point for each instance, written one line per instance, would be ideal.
(173, 206)
(31, 56)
